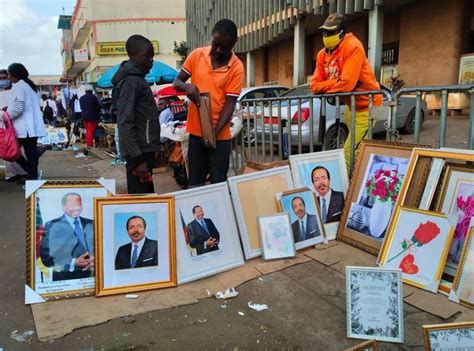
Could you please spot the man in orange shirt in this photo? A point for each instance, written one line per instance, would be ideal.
(215, 70)
(343, 67)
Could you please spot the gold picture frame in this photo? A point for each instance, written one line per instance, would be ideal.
(313, 209)
(118, 271)
(449, 334)
(366, 161)
(370, 345)
(440, 203)
(418, 170)
(51, 244)
(466, 257)
(416, 218)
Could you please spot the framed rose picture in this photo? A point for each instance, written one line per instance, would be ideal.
(462, 290)
(60, 237)
(276, 236)
(456, 201)
(303, 209)
(325, 173)
(417, 243)
(135, 244)
(253, 195)
(377, 179)
(452, 336)
(374, 304)
(207, 240)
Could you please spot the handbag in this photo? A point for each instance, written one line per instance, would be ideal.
(9, 147)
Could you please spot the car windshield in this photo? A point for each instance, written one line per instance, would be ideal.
(301, 90)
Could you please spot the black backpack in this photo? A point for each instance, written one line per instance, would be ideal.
(48, 113)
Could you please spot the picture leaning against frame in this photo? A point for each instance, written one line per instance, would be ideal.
(462, 290)
(451, 336)
(276, 236)
(456, 201)
(60, 237)
(374, 304)
(253, 195)
(303, 210)
(207, 240)
(135, 244)
(325, 173)
(417, 243)
(376, 182)
(369, 345)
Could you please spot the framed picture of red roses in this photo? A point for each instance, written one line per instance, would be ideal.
(376, 182)
(417, 242)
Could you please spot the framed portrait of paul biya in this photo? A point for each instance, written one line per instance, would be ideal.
(135, 244)
(207, 240)
(60, 237)
(325, 173)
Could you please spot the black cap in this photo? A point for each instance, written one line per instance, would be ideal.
(335, 21)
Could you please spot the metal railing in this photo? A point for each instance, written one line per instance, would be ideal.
(444, 90)
(300, 121)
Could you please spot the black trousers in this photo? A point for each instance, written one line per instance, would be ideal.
(203, 161)
(30, 163)
(134, 185)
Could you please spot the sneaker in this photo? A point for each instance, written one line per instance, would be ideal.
(117, 162)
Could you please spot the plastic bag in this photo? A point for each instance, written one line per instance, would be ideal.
(9, 148)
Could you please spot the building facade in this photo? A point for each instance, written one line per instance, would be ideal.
(422, 41)
(95, 39)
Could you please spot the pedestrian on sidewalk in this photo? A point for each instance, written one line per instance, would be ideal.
(50, 110)
(90, 115)
(216, 70)
(137, 115)
(341, 67)
(27, 118)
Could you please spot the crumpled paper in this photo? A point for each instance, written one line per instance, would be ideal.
(257, 306)
(227, 294)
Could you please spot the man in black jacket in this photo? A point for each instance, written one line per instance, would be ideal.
(90, 115)
(137, 115)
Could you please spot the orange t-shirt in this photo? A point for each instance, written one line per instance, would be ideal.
(226, 80)
(344, 70)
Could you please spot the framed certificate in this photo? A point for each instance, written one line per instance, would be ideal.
(452, 336)
(374, 304)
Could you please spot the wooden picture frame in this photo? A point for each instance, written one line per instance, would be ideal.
(449, 336)
(315, 233)
(192, 259)
(457, 181)
(334, 162)
(369, 345)
(423, 238)
(52, 244)
(145, 222)
(253, 195)
(276, 236)
(356, 223)
(463, 279)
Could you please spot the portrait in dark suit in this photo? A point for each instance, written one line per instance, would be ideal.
(306, 225)
(202, 233)
(141, 251)
(67, 244)
(330, 201)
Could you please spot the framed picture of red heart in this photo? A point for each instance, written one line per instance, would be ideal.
(417, 243)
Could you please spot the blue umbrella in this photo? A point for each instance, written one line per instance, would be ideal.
(160, 73)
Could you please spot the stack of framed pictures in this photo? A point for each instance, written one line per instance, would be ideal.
(429, 236)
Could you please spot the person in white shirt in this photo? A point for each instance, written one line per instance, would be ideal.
(27, 118)
(47, 101)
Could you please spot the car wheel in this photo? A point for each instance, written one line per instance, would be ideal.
(249, 133)
(409, 127)
(330, 142)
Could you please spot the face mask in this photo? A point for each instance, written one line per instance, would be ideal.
(331, 42)
(4, 83)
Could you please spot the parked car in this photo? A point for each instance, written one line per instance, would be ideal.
(405, 119)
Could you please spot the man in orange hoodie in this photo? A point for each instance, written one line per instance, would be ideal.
(343, 67)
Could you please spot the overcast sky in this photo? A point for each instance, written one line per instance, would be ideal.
(29, 34)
